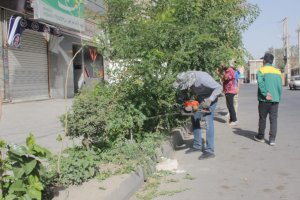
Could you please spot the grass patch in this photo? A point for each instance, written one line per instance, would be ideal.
(172, 180)
(151, 187)
(102, 188)
(172, 192)
(189, 177)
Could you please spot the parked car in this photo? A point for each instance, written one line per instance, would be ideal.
(295, 82)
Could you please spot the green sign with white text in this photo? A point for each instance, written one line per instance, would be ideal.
(68, 13)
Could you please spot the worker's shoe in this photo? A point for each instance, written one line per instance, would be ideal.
(207, 155)
(193, 149)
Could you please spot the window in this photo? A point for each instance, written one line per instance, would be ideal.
(93, 63)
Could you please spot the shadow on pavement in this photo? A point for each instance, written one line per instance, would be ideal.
(187, 145)
(220, 114)
(220, 119)
(245, 133)
(223, 113)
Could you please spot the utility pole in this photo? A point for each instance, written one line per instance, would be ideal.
(286, 48)
(299, 48)
(274, 53)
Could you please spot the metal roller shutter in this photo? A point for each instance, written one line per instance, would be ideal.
(28, 68)
(1, 59)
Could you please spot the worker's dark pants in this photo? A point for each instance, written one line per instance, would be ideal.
(265, 108)
(230, 106)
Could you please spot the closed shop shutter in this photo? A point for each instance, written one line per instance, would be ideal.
(1, 59)
(28, 68)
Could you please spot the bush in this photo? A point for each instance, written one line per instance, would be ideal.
(77, 166)
(97, 115)
(22, 170)
(130, 154)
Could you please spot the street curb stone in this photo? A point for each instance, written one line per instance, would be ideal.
(120, 187)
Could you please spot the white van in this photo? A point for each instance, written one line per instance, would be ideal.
(294, 82)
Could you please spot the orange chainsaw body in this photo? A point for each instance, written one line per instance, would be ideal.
(191, 103)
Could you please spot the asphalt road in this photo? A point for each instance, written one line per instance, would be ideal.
(244, 168)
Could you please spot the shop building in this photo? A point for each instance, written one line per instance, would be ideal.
(42, 65)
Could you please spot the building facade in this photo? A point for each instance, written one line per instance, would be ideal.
(253, 67)
(52, 63)
(295, 70)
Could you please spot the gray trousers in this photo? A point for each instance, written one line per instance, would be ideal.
(265, 108)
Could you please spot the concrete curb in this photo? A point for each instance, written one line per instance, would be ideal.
(127, 187)
(120, 187)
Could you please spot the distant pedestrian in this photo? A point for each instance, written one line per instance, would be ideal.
(269, 95)
(206, 91)
(229, 91)
(237, 88)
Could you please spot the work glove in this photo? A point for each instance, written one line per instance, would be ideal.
(188, 109)
(206, 103)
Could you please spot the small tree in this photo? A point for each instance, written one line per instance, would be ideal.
(157, 39)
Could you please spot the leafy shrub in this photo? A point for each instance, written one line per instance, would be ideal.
(97, 115)
(22, 170)
(77, 166)
(130, 154)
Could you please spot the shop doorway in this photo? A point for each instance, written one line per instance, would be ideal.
(77, 68)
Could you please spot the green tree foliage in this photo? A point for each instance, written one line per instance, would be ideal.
(159, 38)
(154, 40)
(194, 34)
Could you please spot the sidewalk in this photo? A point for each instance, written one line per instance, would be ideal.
(42, 119)
(38, 117)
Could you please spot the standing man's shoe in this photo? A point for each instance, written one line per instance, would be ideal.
(272, 142)
(207, 155)
(258, 139)
(233, 123)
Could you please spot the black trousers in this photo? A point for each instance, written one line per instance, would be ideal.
(265, 108)
(230, 106)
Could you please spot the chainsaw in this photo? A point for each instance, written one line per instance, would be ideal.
(190, 107)
(187, 106)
